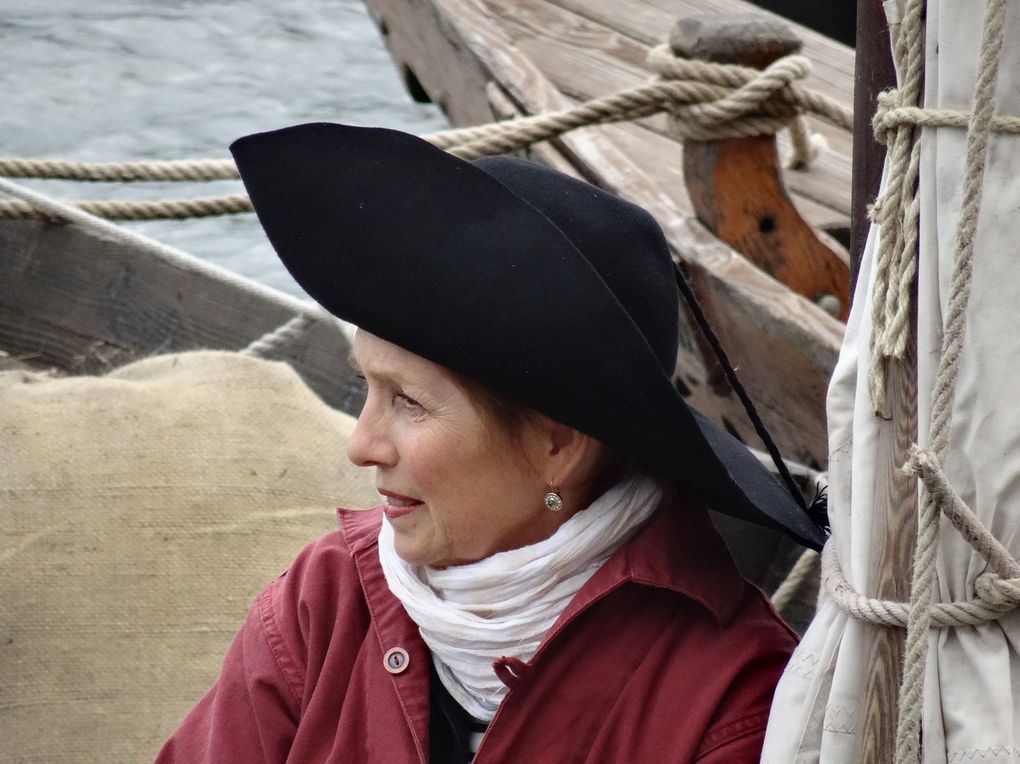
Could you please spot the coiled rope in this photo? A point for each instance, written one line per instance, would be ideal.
(705, 101)
(998, 590)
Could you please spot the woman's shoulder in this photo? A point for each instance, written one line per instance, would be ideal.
(324, 586)
(329, 565)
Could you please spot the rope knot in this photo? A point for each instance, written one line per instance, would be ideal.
(1001, 594)
(715, 101)
(884, 124)
(920, 462)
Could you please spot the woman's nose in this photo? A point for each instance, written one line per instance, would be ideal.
(369, 445)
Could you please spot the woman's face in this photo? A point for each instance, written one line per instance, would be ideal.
(456, 487)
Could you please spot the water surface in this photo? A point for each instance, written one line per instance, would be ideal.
(109, 80)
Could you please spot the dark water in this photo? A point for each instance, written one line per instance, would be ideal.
(108, 80)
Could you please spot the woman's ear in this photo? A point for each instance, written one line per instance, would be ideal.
(572, 459)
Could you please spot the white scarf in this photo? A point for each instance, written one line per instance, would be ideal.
(502, 606)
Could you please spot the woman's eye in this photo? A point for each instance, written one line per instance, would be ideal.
(407, 401)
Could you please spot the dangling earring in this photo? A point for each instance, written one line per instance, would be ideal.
(553, 500)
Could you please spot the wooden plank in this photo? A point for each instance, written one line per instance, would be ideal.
(895, 533)
(14, 362)
(425, 46)
(649, 22)
(80, 302)
(892, 542)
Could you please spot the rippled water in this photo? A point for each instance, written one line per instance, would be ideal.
(107, 80)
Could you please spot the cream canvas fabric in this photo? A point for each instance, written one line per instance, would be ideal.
(972, 675)
(140, 513)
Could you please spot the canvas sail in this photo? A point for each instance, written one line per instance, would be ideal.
(970, 704)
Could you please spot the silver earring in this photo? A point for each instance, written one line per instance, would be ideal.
(553, 501)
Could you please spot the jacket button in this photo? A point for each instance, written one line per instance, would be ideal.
(396, 660)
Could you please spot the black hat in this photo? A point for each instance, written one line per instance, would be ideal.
(544, 288)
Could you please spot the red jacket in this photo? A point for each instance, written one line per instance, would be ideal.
(666, 654)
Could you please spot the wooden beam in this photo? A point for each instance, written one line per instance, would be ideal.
(894, 533)
(874, 73)
(77, 301)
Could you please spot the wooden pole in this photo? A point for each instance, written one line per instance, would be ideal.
(874, 72)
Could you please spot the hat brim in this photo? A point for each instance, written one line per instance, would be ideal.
(433, 254)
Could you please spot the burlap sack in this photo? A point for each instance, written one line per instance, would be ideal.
(139, 515)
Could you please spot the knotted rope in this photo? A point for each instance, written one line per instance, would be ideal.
(896, 122)
(997, 591)
(705, 101)
(937, 499)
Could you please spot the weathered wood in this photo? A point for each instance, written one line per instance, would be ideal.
(892, 542)
(735, 183)
(874, 73)
(584, 59)
(750, 39)
(82, 303)
(785, 346)
(738, 195)
(894, 535)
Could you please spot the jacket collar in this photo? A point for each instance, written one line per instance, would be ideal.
(678, 550)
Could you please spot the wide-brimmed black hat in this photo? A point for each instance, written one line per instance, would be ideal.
(544, 288)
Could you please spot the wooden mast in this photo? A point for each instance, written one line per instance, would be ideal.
(873, 73)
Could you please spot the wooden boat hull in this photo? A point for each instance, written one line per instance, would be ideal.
(81, 303)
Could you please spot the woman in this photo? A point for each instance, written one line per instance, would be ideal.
(542, 582)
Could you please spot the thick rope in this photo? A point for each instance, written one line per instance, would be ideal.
(706, 101)
(117, 209)
(993, 597)
(997, 591)
(896, 211)
(121, 172)
(803, 571)
(947, 372)
(285, 335)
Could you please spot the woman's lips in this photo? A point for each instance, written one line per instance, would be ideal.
(397, 505)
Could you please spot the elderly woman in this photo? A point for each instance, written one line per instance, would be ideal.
(542, 581)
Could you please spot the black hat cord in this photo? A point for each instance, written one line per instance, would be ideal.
(818, 511)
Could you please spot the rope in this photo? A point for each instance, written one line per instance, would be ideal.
(804, 570)
(278, 339)
(119, 209)
(121, 172)
(997, 591)
(706, 101)
(993, 597)
(896, 211)
(934, 503)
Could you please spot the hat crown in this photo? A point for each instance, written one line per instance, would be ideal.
(621, 241)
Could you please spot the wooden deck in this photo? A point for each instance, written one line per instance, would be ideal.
(486, 59)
